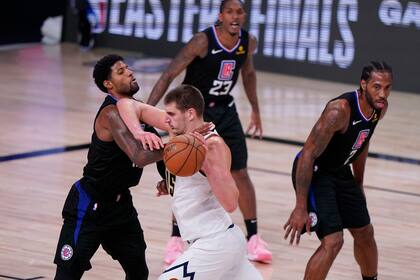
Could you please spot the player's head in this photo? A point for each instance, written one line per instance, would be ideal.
(376, 83)
(184, 106)
(112, 75)
(231, 16)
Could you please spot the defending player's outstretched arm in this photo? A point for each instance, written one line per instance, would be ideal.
(197, 46)
(133, 111)
(334, 118)
(217, 169)
(125, 140)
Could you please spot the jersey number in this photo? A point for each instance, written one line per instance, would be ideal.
(170, 182)
(220, 87)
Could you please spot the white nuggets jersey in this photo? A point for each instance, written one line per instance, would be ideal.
(196, 209)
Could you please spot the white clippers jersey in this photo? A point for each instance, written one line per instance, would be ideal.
(196, 209)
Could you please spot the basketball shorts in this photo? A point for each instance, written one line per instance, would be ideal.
(218, 256)
(229, 127)
(88, 224)
(338, 202)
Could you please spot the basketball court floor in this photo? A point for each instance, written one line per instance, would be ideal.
(48, 103)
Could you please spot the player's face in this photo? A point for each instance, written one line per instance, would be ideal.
(123, 80)
(176, 119)
(232, 17)
(377, 89)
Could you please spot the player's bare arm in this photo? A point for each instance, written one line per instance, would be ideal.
(217, 169)
(335, 117)
(249, 79)
(133, 111)
(111, 121)
(359, 166)
(197, 46)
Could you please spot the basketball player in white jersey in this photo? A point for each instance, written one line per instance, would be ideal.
(201, 202)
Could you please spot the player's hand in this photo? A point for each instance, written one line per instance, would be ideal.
(161, 188)
(255, 125)
(199, 137)
(150, 141)
(205, 128)
(297, 220)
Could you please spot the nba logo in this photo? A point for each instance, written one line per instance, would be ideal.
(97, 15)
(361, 139)
(226, 70)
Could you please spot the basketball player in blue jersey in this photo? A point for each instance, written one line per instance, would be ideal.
(325, 184)
(99, 208)
(201, 202)
(213, 59)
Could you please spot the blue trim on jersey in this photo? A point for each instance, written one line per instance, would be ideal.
(312, 197)
(82, 205)
(184, 270)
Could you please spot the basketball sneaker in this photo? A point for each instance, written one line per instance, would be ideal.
(257, 250)
(174, 249)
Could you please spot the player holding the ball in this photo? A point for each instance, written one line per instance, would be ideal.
(201, 202)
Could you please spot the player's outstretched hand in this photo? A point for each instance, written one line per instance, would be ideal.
(294, 225)
(205, 128)
(150, 141)
(161, 188)
(198, 136)
(255, 125)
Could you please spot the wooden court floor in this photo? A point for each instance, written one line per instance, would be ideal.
(48, 100)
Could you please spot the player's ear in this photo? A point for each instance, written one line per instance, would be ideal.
(363, 85)
(191, 114)
(107, 84)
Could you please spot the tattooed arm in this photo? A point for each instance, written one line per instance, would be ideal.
(109, 126)
(197, 46)
(335, 117)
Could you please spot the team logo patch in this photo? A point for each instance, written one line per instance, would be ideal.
(66, 252)
(314, 218)
(363, 135)
(226, 70)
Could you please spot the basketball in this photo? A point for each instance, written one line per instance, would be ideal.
(184, 155)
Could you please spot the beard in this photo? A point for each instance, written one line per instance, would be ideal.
(134, 88)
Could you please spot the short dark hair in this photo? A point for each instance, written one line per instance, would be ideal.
(102, 70)
(224, 2)
(375, 66)
(186, 97)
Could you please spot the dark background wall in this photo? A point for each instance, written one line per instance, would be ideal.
(21, 20)
(323, 39)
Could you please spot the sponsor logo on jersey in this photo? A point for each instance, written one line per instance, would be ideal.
(240, 50)
(213, 51)
(226, 70)
(363, 135)
(375, 118)
(66, 252)
(356, 122)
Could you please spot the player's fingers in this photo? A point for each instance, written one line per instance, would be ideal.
(286, 235)
(308, 227)
(297, 238)
(293, 236)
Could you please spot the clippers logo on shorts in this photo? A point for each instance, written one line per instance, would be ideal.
(226, 70)
(363, 135)
(314, 218)
(66, 252)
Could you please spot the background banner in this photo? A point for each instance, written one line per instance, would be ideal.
(321, 39)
